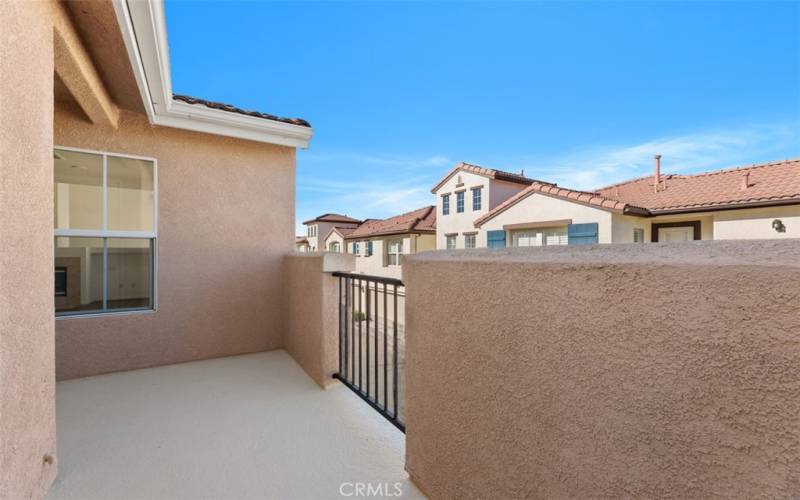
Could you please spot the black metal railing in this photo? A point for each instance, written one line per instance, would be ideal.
(372, 343)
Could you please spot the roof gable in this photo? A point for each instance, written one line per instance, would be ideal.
(489, 173)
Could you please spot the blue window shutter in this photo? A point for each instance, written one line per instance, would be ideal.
(582, 234)
(496, 239)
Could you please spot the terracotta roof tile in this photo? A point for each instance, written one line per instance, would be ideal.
(343, 231)
(491, 173)
(233, 109)
(422, 220)
(333, 218)
(776, 181)
(768, 182)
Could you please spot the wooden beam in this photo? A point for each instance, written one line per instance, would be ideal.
(75, 67)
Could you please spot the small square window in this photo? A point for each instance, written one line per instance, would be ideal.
(638, 235)
(469, 241)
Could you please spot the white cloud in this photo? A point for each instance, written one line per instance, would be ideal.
(708, 150)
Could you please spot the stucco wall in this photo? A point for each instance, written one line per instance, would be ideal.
(635, 371)
(458, 223)
(311, 335)
(225, 221)
(27, 382)
(756, 223)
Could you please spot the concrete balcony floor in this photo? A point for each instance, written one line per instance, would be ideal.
(252, 426)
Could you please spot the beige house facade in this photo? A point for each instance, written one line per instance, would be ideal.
(380, 245)
(753, 202)
(466, 193)
(317, 229)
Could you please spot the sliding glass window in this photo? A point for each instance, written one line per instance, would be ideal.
(105, 232)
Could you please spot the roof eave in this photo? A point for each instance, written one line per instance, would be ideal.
(143, 28)
(390, 233)
(726, 206)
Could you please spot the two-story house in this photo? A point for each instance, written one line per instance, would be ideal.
(318, 228)
(467, 193)
(379, 244)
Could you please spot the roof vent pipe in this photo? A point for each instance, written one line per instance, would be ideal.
(657, 173)
(745, 180)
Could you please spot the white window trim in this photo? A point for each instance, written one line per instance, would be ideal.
(103, 233)
(461, 195)
(389, 252)
(479, 190)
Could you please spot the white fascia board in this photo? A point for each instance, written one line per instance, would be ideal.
(144, 30)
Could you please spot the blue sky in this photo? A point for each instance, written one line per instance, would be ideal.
(582, 94)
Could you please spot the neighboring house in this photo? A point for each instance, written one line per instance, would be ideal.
(334, 240)
(466, 193)
(379, 245)
(301, 244)
(758, 201)
(317, 229)
(151, 226)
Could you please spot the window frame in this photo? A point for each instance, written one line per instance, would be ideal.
(479, 191)
(446, 204)
(447, 241)
(471, 237)
(640, 231)
(106, 234)
(460, 195)
(396, 254)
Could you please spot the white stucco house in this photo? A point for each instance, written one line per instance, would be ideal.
(467, 193)
(757, 201)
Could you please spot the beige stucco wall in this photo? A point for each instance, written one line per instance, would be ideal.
(225, 221)
(458, 223)
(27, 381)
(756, 223)
(334, 237)
(377, 263)
(616, 371)
(539, 208)
(312, 335)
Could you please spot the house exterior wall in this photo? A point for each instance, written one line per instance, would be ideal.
(540, 207)
(756, 223)
(225, 220)
(27, 374)
(583, 404)
(311, 336)
(317, 242)
(377, 263)
(458, 223)
(622, 227)
(334, 238)
(500, 191)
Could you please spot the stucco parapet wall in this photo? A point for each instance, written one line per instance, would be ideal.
(700, 253)
(312, 322)
(624, 371)
(330, 262)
